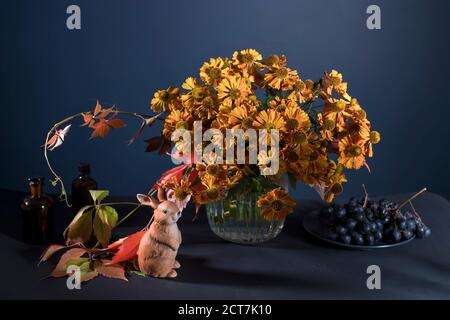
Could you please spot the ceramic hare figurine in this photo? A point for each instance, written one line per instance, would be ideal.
(159, 245)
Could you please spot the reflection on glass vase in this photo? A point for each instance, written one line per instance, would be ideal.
(237, 218)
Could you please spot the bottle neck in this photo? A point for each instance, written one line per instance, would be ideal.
(83, 175)
(36, 191)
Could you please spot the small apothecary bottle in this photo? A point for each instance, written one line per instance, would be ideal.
(80, 188)
(37, 214)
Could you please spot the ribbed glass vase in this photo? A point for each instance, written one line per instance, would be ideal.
(237, 218)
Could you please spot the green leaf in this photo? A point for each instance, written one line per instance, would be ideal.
(76, 218)
(60, 269)
(77, 262)
(86, 273)
(292, 180)
(99, 195)
(101, 230)
(80, 229)
(108, 215)
(137, 272)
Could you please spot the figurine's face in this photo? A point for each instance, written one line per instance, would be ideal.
(167, 212)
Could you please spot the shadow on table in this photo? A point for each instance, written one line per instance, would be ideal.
(294, 236)
(199, 271)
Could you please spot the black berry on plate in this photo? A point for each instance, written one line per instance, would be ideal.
(372, 222)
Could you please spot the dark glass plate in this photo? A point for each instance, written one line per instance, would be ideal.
(313, 225)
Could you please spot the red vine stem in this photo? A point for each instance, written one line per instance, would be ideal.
(57, 177)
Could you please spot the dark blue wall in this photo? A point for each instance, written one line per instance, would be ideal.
(128, 49)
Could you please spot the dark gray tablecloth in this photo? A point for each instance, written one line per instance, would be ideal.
(293, 266)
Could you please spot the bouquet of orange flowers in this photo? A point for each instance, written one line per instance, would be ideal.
(309, 131)
(321, 129)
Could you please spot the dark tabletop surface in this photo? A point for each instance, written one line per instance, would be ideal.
(293, 266)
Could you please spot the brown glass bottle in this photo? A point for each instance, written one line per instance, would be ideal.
(80, 188)
(37, 214)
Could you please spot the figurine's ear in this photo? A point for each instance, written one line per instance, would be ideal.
(161, 195)
(146, 200)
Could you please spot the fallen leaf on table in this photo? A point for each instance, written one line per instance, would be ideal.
(115, 271)
(86, 273)
(129, 247)
(49, 252)
(60, 269)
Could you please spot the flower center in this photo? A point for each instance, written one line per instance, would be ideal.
(361, 115)
(335, 81)
(329, 125)
(198, 93)
(339, 106)
(299, 86)
(281, 73)
(277, 205)
(299, 137)
(355, 150)
(164, 96)
(207, 102)
(336, 188)
(292, 124)
(375, 137)
(181, 125)
(215, 73)
(180, 194)
(212, 169)
(247, 122)
(234, 93)
(212, 193)
(247, 58)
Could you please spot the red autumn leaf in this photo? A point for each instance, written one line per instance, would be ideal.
(116, 123)
(176, 172)
(165, 147)
(115, 271)
(48, 253)
(87, 276)
(101, 129)
(154, 144)
(115, 245)
(52, 140)
(60, 269)
(97, 121)
(105, 113)
(97, 109)
(129, 248)
(88, 119)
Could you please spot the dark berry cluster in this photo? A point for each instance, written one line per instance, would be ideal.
(370, 222)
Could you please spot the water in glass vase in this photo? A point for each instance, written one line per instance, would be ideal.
(237, 218)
